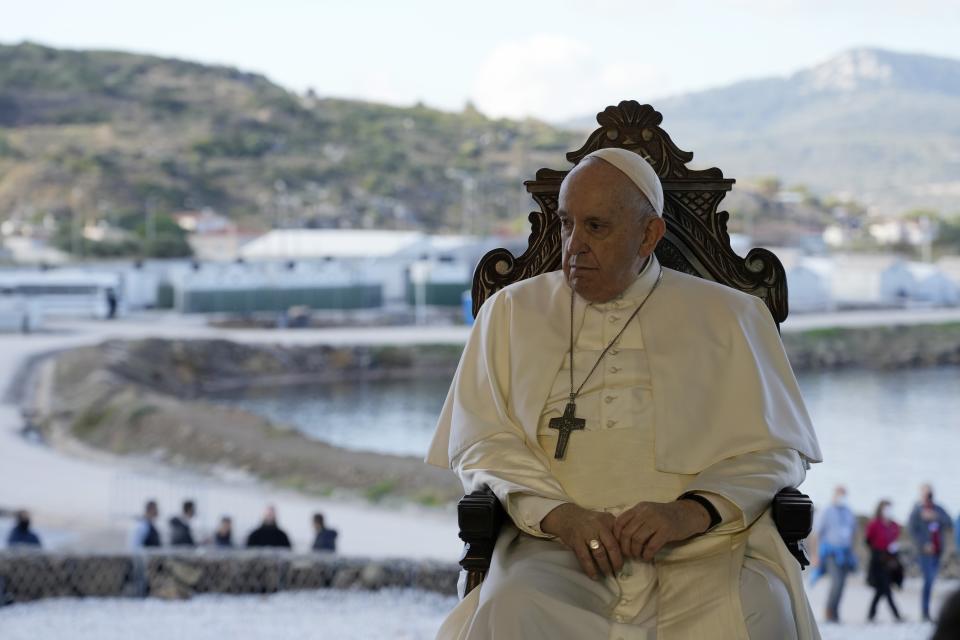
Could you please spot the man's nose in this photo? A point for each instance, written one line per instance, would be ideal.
(575, 241)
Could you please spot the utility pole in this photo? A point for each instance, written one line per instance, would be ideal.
(150, 231)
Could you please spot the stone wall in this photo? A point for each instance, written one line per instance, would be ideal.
(33, 575)
(887, 347)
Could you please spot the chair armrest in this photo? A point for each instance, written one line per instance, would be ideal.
(793, 515)
(480, 516)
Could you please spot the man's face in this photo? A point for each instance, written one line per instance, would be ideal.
(605, 230)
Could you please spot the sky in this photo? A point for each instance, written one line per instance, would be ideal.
(550, 60)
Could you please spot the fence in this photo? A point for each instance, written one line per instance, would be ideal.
(33, 575)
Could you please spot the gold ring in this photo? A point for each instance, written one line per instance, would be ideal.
(594, 544)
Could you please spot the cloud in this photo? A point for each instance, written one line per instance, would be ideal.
(556, 77)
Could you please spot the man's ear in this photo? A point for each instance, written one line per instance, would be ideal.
(654, 232)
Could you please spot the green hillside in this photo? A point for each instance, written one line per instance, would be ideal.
(87, 135)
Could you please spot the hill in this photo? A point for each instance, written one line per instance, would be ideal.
(879, 126)
(97, 134)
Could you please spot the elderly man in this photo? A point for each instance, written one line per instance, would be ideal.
(635, 423)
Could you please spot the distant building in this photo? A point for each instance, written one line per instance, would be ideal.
(61, 292)
(203, 221)
(808, 280)
(33, 250)
(213, 237)
(932, 286)
(808, 286)
(103, 231)
(950, 266)
(320, 244)
(895, 231)
(883, 280)
(219, 246)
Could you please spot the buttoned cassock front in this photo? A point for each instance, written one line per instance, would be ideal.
(611, 466)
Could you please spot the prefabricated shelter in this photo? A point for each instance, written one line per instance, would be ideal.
(63, 292)
(870, 281)
(808, 280)
(932, 286)
(249, 288)
(808, 285)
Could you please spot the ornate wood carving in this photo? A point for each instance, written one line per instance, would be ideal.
(696, 242)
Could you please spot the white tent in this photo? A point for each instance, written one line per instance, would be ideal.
(808, 280)
(808, 285)
(932, 286)
(950, 266)
(872, 280)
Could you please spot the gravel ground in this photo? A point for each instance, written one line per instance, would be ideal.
(856, 602)
(347, 615)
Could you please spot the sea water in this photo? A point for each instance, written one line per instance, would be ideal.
(882, 432)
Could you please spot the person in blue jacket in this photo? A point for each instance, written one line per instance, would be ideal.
(835, 528)
(326, 539)
(22, 535)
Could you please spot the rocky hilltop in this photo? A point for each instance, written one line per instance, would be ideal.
(880, 126)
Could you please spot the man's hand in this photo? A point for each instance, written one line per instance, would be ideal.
(576, 527)
(645, 528)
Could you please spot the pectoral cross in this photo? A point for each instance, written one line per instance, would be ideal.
(565, 424)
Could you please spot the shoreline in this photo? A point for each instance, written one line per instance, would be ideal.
(195, 394)
(158, 398)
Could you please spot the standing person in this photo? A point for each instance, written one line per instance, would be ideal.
(885, 569)
(223, 536)
(835, 529)
(180, 533)
(22, 535)
(268, 534)
(111, 304)
(326, 539)
(145, 534)
(928, 525)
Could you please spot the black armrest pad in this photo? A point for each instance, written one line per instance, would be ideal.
(480, 516)
(793, 515)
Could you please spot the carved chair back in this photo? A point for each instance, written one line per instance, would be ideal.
(696, 241)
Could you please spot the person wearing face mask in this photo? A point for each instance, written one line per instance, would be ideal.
(885, 568)
(835, 528)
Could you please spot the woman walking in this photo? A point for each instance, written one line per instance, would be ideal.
(885, 568)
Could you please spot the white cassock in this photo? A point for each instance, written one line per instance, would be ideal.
(697, 395)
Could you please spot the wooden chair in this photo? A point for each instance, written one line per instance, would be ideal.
(696, 243)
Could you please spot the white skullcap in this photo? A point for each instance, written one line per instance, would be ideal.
(637, 169)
